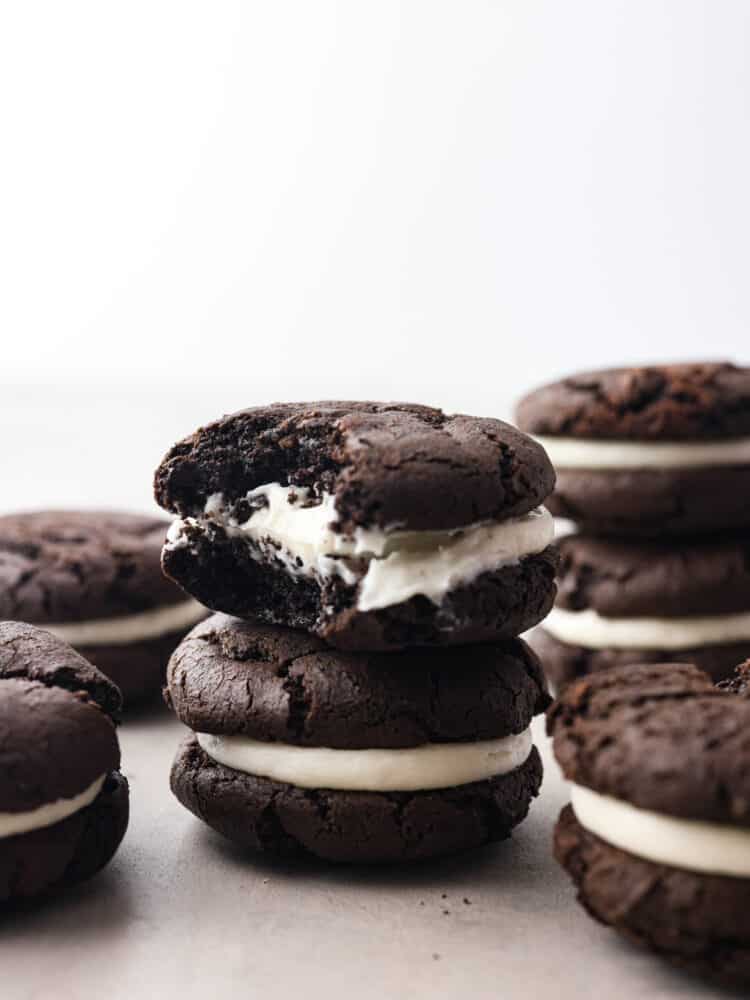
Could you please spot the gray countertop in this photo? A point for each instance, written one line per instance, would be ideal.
(181, 913)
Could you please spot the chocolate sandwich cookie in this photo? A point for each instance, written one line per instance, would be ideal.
(300, 749)
(94, 579)
(63, 801)
(655, 450)
(657, 836)
(648, 602)
(375, 526)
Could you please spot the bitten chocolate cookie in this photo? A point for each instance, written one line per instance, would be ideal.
(657, 836)
(301, 749)
(648, 602)
(63, 801)
(655, 450)
(93, 578)
(372, 525)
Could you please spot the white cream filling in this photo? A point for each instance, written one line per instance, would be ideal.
(130, 628)
(433, 765)
(590, 629)
(390, 565)
(12, 823)
(694, 845)
(578, 453)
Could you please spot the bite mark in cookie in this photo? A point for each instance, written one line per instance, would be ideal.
(372, 525)
(287, 528)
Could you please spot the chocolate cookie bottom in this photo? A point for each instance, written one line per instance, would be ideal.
(564, 663)
(700, 922)
(654, 502)
(371, 827)
(221, 573)
(69, 851)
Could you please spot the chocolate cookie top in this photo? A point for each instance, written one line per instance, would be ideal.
(386, 464)
(55, 741)
(660, 737)
(69, 566)
(652, 579)
(686, 402)
(274, 684)
(32, 654)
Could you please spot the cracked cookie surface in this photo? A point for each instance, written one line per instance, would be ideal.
(686, 402)
(385, 463)
(273, 684)
(34, 654)
(71, 566)
(662, 738)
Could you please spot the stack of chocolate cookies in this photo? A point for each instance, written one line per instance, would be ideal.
(362, 694)
(653, 466)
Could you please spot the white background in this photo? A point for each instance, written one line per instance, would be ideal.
(205, 206)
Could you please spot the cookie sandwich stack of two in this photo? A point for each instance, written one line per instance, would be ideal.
(361, 693)
(653, 466)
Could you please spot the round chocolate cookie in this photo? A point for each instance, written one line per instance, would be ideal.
(93, 578)
(375, 526)
(63, 801)
(656, 450)
(302, 749)
(657, 836)
(642, 601)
